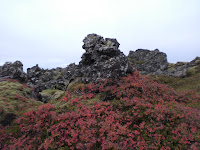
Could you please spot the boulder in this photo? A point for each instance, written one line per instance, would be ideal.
(102, 59)
(149, 62)
(13, 71)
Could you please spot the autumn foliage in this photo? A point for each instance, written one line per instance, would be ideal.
(131, 113)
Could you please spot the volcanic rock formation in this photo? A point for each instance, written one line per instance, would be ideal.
(102, 59)
(13, 71)
(149, 62)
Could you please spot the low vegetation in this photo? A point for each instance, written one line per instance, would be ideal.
(15, 99)
(190, 82)
(134, 112)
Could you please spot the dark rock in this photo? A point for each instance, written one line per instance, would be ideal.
(194, 62)
(182, 69)
(178, 70)
(13, 71)
(8, 118)
(42, 79)
(149, 62)
(155, 62)
(102, 59)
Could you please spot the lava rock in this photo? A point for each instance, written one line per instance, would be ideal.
(102, 59)
(149, 62)
(13, 71)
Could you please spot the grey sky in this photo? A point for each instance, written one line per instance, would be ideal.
(50, 32)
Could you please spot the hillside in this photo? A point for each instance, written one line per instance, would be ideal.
(131, 113)
(190, 82)
(107, 101)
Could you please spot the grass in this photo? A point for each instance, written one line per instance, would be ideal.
(191, 82)
(15, 98)
(53, 93)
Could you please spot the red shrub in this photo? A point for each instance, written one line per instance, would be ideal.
(148, 116)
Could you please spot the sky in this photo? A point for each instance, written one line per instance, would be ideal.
(50, 32)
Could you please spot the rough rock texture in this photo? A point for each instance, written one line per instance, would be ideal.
(149, 62)
(102, 59)
(182, 69)
(41, 79)
(13, 71)
(179, 69)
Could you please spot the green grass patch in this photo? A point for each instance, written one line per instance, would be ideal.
(53, 93)
(180, 84)
(16, 98)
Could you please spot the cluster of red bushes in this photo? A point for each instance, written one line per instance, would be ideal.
(132, 113)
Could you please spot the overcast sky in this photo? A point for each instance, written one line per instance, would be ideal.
(50, 32)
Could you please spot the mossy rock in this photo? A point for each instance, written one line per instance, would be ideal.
(74, 84)
(109, 43)
(53, 93)
(191, 71)
(132, 62)
(171, 67)
(197, 62)
(179, 64)
(15, 99)
(139, 62)
(62, 106)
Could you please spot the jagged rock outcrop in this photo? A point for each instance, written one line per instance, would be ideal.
(155, 62)
(149, 62)
(102, 59)
(42, 79)
(182, 69)
(13, 71)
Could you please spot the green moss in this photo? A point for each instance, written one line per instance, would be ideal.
(115, 102)
(64, 148)
(191, 71)
(197, 61)
(171, 67)
(108, 43)
(14, 129)
(139, 62)
(73, 85)
(15, 98)
(180, 84)
(62, 106)
(58, 74)
(53, 93)
(135, 62)
(90, 102)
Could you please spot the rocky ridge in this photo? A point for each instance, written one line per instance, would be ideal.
(102, 59)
